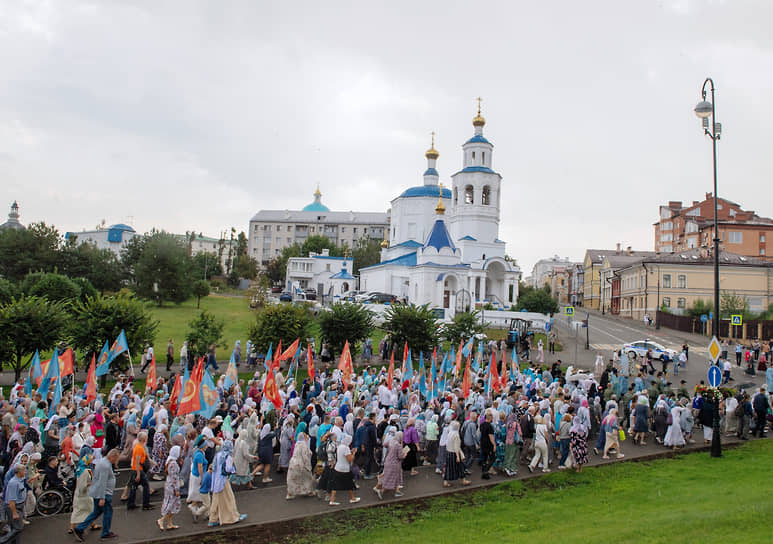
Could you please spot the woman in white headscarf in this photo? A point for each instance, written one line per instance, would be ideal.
(171, 504)
(454, 469)
(342, 478)
(300, 480)
(286, 442)
(243, 456)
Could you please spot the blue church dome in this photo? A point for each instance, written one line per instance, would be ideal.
(426, 190)
(317, 205)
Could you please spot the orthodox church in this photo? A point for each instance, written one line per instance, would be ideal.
(443, 246)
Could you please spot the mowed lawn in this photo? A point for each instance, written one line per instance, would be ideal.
(174, 319)
(690, 498)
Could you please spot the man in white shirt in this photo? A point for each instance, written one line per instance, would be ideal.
(727, 367)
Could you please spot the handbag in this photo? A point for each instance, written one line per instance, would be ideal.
(621, 433)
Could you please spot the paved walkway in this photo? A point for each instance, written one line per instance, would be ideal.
(268, 504)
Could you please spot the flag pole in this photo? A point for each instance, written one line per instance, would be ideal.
(131, 366)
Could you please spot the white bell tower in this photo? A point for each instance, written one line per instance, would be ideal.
(475, 200)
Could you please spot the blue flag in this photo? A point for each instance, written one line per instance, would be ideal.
(57, 393)
(35, 372)
(208, 396)
(186, 376)
(103, 361)
(422, 377)
(468, 346)
(267, 360)
(408, 368)
(231, 376)
(476, 362)
(51, 377)
(445, 368)
(119, 346)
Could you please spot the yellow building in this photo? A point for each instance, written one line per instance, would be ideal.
(599, 266)
(677, 280)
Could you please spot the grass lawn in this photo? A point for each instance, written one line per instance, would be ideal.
(174, 318)
(690, 498)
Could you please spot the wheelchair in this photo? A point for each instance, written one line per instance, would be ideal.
(56, 500)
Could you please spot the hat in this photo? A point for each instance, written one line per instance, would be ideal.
(219, 419)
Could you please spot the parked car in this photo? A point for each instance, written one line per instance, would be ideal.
(381, 298)
(351, 296)
(639, 349)
(311, 294)
(362, 296)
(276, 289)
(286, 297)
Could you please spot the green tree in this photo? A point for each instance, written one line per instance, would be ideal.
(86, 287)
(700, 307)
(101, 319)
(284, 322)
(200, 289)
(275, 270)
(84, 260)
(22, 251)
(345, 321)
(162, 271)
(463, 326)
(204, 330)
(54, 287)
(414, 324)
(8, 291)
(246, 267)
(731, 303)
(317, 243)
(205, 265)
(27, 324)
(366, 252)
(537, 300)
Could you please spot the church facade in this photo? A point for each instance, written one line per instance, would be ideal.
(443, 246)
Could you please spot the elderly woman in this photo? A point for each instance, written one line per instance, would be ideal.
(198, 503)
(243, 456)
(540, 445)
(265, 452)
(160, 452)
(286, 442)
(223, 509)
(641, 416)
(82, 504)
(454, 466)
(392, 477)
(611, 427)
(411, 440)
(513, 441)
(342, 478)
(171, 504)
(578, 443)
(300, 481)
(674, 435)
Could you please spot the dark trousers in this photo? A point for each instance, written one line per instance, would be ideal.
(105, 511)
(469, 455)
(487, 459)
(761, 422)
(738, 358)
(563, 446)
(169, 362)
(133, 490)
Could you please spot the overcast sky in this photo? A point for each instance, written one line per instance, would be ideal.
(195, 115)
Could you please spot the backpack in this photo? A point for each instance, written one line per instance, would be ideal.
(740, 409)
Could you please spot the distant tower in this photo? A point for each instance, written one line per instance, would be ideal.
(431, 175)
(13, 219)
(476, 191)
(317, 205)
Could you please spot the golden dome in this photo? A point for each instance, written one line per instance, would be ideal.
(478, 120)
(432, 153)
(440, 209)
(384, 243)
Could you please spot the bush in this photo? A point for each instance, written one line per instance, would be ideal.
(284, 322)
(345, 321)
(200, 289)
(8, 292)
(537, 300)
(55, 287)
(205, 330)
(464, 325)
(86, 287)
(416, 325)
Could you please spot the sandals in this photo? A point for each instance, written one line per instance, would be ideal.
(172, 527)
(355, 500)
(160, 524)
(331, 503)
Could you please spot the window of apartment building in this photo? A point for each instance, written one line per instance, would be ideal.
(289, 240)
(343, 229)
(735, 237)
(667, 237)
(762, 251)
(762, 238)
(665, 213)
(667, 281)
(681, 303)
(681, 281)
(354, 230)
(692, 242)
(691, 227)
(255, 229)
(266, 252)
(695, 212)
(666, 226)
(278, 240)
(278, 228)
(327, 267)
(732, 212)
(267, 227)
(667, 302)
(267, 240)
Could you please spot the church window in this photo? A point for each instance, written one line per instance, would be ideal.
(468, 195)
(473, 155)
(486, 198)
(456, 195)
(483, 158)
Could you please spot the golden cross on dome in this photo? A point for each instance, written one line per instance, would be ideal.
(433, 139)
(479, 101)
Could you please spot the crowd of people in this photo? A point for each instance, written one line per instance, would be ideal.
(332, 433)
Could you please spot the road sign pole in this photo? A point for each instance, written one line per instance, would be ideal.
(587, 330)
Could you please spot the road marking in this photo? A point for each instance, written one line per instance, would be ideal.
(613, 347)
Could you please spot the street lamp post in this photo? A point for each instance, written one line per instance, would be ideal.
(707, 112)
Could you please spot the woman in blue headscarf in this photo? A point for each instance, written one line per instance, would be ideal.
(223, 509)
(82, 504)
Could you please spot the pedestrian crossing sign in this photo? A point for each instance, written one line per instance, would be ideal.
(714, 349)
(736, 319)
(569, 310)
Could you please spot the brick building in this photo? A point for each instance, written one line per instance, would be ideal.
(742, 232)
